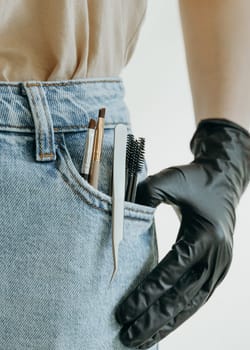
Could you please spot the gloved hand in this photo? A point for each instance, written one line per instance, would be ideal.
(205, 193)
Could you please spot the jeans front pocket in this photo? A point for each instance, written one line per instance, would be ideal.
(70, 148)
(138, 252)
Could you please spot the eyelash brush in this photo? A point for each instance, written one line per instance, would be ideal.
(130, 150)
(140, 150)
(134, 163)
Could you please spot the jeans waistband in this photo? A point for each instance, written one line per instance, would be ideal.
(48, 107)
(70, 103)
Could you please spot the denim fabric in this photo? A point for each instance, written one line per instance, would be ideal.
(55, 228)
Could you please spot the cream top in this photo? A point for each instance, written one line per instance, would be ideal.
(67, 39)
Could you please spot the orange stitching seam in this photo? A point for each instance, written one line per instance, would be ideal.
(63, 83)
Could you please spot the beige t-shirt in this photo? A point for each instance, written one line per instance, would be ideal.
(67, 39)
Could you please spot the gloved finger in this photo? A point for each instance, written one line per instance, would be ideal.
(168, 186)
(189, 310)
(183, 255)
(165, 308)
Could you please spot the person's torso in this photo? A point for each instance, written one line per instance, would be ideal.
(67, 39)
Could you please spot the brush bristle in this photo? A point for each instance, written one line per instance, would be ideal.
(102, 113)
(141, 151)
(129, 151)
(135, 154)
(92, 124)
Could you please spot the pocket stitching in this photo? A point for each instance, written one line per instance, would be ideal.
(66, 159)
(81, 196)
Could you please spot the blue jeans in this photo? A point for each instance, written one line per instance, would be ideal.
(55, 228)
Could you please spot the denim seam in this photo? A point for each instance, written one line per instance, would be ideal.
(65, 83)
(48, 124)
(81, 196)
(55, 128)
(71, 127)
(95, 206)
(39, 124)
(43, 155)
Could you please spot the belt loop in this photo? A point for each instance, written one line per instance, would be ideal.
(44, 132)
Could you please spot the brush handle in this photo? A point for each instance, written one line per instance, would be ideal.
(129, 187)
(133, 190)
(126, 182)
(94, 174)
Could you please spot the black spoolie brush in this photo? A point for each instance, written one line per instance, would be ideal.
(140, 150)
(130, 154)
(134, 162)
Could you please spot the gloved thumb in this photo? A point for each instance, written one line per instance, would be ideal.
(167, 186)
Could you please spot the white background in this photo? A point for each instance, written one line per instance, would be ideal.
(159, 99)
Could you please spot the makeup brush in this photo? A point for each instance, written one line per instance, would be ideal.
(85, 168)
(97, 149)
(134, 163)
(130, 154)
(139, 162)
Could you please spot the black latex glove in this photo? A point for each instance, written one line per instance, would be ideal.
(205, 193)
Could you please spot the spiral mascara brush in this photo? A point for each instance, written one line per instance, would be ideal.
(139, 162)
(130, 152)
(134, 163)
